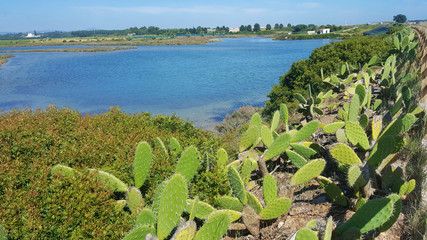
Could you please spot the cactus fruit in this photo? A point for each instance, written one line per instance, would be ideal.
(306, 234)
(309, 171)
(333, 191)
(344, 154)
(396, 212)
(188, 163)
(140, 233)
(275, 209)
(249, 138)
(228, 202)
(63, 170)
(284, 113)
(269, 189)
(214, 228)
(371, 215)
(198, 208)
(112, 182)
(340, 134)
(172, 204)
(266, 136)
(364, 121)
(377, 125)
(328, 229)
(134, 199)
(145, 217)
(256, 121)
(142, 163)
(186, 231)
(296, 159)
(305, 131)
(304, 151)
(333, 127)
(356, 135)
(254, 202)
(279, 146)
(174, 147)
(355, 178)
(221, 158)
(237, 185)
(275, 120)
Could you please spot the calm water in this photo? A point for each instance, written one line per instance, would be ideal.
(198, 83)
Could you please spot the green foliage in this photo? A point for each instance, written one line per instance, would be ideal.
(62, 170)
(140, 233)
(3, 234)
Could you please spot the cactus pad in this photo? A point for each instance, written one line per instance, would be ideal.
(355, 178)
(237, 185)
(228, 202)
(188, 163)
(174, 147)
(300, 98)
(254, 202)
(353, 110)
(340, 134)
(333, 191)
(328, 229)
(142, 163)
(201, 210)
(364, 121)
(360, 202)
(278, 146)
(384, 147)
(214, 228)
(396, 212)
(275, 209)
(361, 93)
(221, 158)
(112, 182)
(3, 234)
(172, 204)
(162, 146)
(356, 135)
(145, 217)
(371, 215)
(284, 113)
(140, 233)
(186, 231)
(275, 120)
(303, 150)
(248, 166)
(400, 125)
(249, 138)
(309, 171)
(306, 234)
(256, 121)
(266, 136)
(134, 199)
(269, 189)
(296, 159)
(305, 131)
(233, 215)
(333, 127)
(63, 170)
(377, 103)
(377, 125)
(344, 154)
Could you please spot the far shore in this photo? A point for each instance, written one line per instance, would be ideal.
(4, 58)
(82, 49)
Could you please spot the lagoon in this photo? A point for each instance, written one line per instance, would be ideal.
(199, 83)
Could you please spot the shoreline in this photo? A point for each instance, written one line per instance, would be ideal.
(82, 49)
(4, 59)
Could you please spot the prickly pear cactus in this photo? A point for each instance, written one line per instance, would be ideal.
(355, 178)
(63, 170)
(345, 155)
(384, 147)
(269, 189)
(186, 231)
(328, 229)
(174, 147)
(305, 131)
(377, 125)
(232, 214)
(275, 209)
(142, 163)
(333, 127)
(140, 233)
(340, 134)
(249, 165)
(3, 234)
(370, 216)
(296, 159)
(306, 234)
(249, 138)
(396, 212)
(332, 190)
(360, 202)
(254, 202)
(172, 204)
(112, 182)
(353, 111)
(214, 228)
(201, 210)
(228, 202)
(356, 135)
(364, 121)
(145, 217)
(399, 125)
(237, 185)
(266, 136)
(303, 150)
(309, 171)
(278, 146)
(162, 146)
(157, 195)
(134, 199)
(284, 113)
(222, 158)
(188, 163)
(256, 121)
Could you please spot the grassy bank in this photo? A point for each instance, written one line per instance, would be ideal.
(3, 59)
(83, 49)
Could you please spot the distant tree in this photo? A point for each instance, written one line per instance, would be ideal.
(400, 18)
(299, 28)
(249, 28)
(257, 27)
(268, 27)
(311, 27)
(242, 28)
(276, 26)
(289, 25)
(281, 26)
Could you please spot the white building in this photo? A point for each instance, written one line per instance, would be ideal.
(32, 35)
(234, 30)
(324, 30)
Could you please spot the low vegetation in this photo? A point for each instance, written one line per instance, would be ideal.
(3, 59)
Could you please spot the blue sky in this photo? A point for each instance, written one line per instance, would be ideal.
(66, 15)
